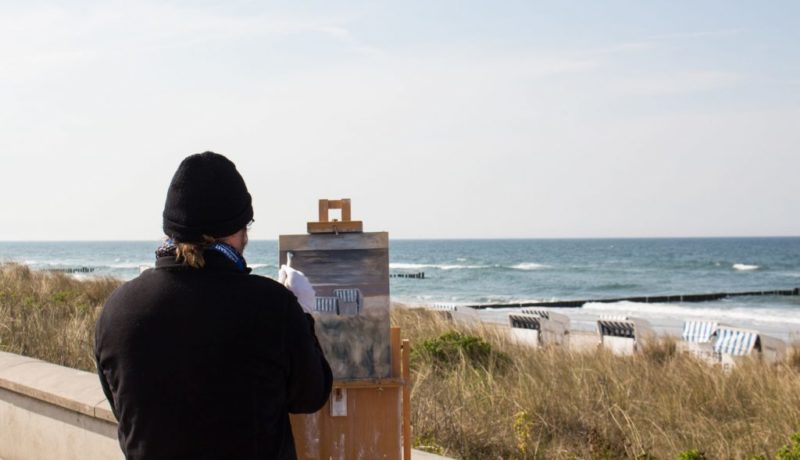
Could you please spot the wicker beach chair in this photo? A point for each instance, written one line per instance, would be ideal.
(525, 329)
(624, 336)
(735, 342)
(699, 331)
(542, 313)
(697, 339)
(547, 330)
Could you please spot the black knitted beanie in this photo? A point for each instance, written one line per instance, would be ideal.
(207, 196)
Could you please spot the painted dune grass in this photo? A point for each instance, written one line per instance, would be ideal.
(503, 401)
(477, 396)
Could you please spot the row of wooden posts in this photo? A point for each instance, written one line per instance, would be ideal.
(419, 276)
(643, 299)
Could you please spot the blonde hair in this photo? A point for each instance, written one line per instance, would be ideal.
(192, 253)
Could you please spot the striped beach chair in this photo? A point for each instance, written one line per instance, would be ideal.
(554, 328)
(735, 342)
(525, 329)
(350, 301)
(443, 307)
(698, 337)
(616, 327)
(544, 329)
(623, 335)
(525, 321)
(536, 312)
(327, 305)
(699, 331)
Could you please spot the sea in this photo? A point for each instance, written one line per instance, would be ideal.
(503, 271)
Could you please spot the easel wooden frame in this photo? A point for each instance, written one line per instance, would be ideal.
(378, 420)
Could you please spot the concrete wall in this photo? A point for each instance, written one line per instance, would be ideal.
(53, 412)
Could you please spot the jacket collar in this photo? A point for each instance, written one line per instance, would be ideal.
(214, 261)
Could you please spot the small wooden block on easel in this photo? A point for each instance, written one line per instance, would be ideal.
(343, 225)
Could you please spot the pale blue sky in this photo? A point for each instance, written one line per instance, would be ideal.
(438, 119)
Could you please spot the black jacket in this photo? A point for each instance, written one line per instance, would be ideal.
(207, 363)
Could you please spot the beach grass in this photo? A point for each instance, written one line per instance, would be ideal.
(50, 316)
(555, 404)
(476, 395)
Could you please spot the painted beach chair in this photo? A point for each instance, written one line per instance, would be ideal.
(327, 305)
(350, 301)
(622, 335)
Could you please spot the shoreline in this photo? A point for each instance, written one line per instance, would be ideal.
(670, 323)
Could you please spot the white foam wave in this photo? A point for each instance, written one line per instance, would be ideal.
(408, 266)
(745, 267)
(49, 263)
(131, 265)
(257, 266)
(528, 266)
(660, 310)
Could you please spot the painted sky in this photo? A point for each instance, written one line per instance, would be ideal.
(441, 119)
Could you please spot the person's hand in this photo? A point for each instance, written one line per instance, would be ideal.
(297, 282)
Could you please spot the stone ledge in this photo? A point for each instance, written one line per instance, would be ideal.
(72, 389)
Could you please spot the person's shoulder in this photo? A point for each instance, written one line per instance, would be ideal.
(268, 285)
(127, 288)
(263, 281)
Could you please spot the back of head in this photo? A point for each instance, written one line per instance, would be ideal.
(206, 198)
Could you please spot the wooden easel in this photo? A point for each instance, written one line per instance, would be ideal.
(377, 424)
(363, 418)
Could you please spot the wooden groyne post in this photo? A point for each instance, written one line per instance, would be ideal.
(643, 299)
(419, 276)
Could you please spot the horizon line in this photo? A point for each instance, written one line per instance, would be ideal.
(442, 239)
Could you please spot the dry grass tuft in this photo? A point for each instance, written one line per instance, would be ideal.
(50, 316)
(554, 404)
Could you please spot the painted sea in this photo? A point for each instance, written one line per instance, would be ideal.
(466, 272)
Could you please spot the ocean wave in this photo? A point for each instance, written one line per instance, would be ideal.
(409, 266)
(745, 267)
(645, 310)
(616, 286)
(257, 266)
(131, 265)
(521, 266)
(528, 266)
(49, 263)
